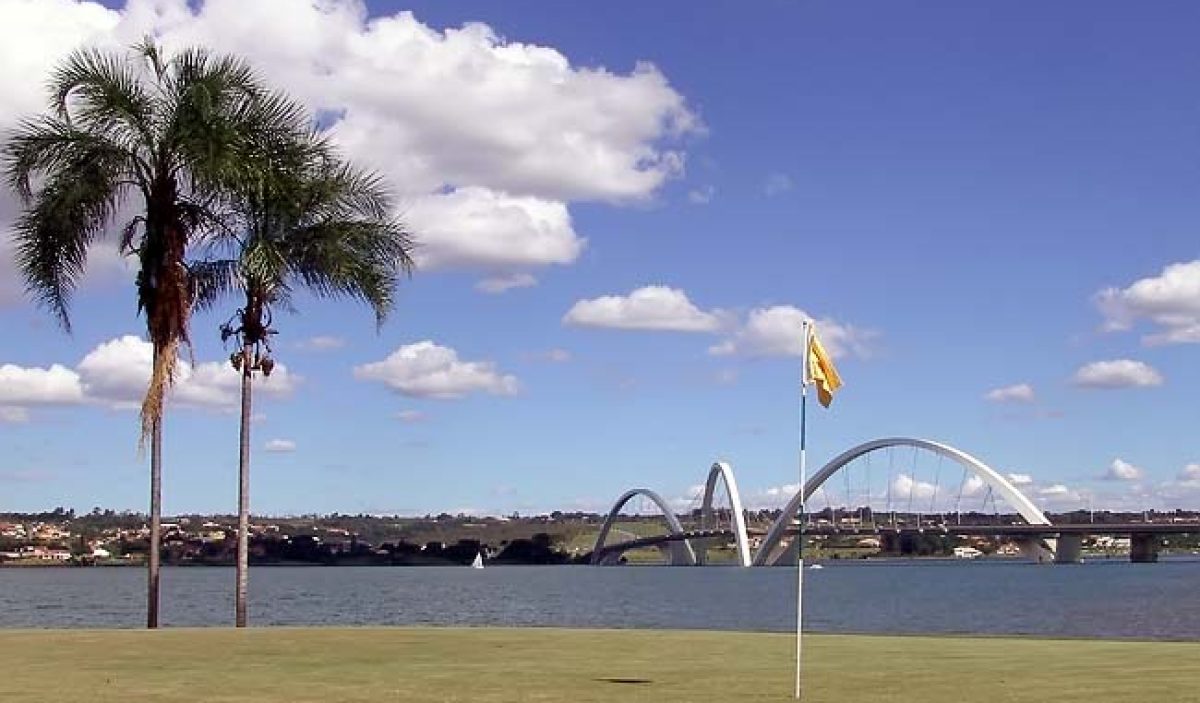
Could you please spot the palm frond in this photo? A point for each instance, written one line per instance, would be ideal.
(100, 92)
(47, 146)
(361, 259)
(210, 280)
(52, 236)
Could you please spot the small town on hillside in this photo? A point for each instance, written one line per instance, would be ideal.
(61, 537)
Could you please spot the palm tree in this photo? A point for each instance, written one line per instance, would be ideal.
(169, 133)
(305, 220)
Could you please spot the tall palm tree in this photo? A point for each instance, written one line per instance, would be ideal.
(305, 219)
(169, 133)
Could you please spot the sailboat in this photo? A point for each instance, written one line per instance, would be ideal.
(478, 563)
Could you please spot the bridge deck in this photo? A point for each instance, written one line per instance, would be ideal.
(1022, 530)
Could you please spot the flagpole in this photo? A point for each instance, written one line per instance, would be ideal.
(803, 512)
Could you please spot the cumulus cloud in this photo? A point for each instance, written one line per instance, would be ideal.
(1121, 470)
(973, 486)
(279, 446)
(486, 140)
(116, 373)
(56, 385)
(1170, 300)
(771, 497)
(428, 370)
(1120, 373)
(475, 227)
(500, 284)
(648, 308)
(904, 485)
(1059, 494)
(777, 331)
(1019, 393)
(1191, 472)
(1020, 479)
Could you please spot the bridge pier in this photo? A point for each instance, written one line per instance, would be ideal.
(1037, 549)
(1143, 548)
(1069, 549)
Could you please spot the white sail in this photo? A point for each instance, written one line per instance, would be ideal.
(478, 563)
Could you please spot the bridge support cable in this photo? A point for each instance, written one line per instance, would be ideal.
(912, 481)
(997, 486)
(846, 486)
(681, 551)
(937, 477)
(891, 469)
(773, 550)
(962, 484)
(867, 496)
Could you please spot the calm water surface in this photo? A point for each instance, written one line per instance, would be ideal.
(1096, 599)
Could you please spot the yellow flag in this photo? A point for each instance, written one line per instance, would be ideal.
(821, 370)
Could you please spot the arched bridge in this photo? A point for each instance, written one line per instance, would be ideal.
(773, 549)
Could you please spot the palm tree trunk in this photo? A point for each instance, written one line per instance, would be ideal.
(243, 536)
(155, 523)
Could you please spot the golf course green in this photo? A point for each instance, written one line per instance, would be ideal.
(278, 665)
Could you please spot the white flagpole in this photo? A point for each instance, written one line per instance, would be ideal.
(803, 511)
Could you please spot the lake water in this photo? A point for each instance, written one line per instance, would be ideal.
(1096, 599)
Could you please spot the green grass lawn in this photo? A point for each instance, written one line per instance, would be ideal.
(484, 665)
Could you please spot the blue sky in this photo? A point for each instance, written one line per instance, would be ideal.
(949, 188)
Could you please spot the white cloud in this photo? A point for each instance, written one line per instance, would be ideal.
(410, 416)
(777, 183)
(771, 497)
(648, 308)
(904, 485)
(1019, 393)
(1120, 373)
(973, 486)
(322, 343)
(499, 284)
(1020, 479)
(1059, 495)
(1170, 300)
(485, 139)
(1191, 472)
(55, 385)
(474, 227)
(279, 446)
(777, 331)
(701, 196)
(427, 370)
(1121, 470)
(116, 374)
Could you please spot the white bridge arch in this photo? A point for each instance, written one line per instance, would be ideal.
(769, 553)
(1018, 500)
(681, 551)
(723, 471)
